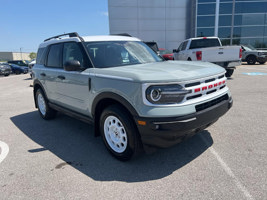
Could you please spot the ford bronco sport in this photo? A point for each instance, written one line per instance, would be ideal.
(133, 97)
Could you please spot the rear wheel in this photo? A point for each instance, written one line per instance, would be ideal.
(251, 60)
(229, 72)
(17, 72)
(42, 104)
(262, 63)
(119, 133)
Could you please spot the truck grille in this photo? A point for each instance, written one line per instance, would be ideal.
(205, 87)
(211, 103)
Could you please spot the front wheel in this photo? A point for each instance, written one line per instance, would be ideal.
(42, 104)
(229, 72)
(119, 133)
(262, 62)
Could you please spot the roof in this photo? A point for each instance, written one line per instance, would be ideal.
(89, 39)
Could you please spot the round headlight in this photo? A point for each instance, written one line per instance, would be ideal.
(155, 94)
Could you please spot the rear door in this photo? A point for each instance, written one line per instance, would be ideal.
(48, 75)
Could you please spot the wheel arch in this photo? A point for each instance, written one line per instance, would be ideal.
(251, 55)
(37, 85)
(106, 99)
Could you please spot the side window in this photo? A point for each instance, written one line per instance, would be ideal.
(39, 55)
(54, 56)
(184, 45)
(72, 51)
(180, 47)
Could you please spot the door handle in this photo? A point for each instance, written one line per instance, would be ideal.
(43, 74)
(61, 77)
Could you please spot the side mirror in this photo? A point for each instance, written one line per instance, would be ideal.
(72, 65)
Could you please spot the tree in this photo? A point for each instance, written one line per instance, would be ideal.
(32, 55)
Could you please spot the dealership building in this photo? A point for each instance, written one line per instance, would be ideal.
(168, 22)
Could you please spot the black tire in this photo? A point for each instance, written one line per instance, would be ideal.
(189, 59)
(119, 133)
(229, 72)
(251, 60)
(17, 72)
(262, 63)
(42, 104)
(6, 75)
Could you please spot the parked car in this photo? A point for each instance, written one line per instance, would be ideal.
(252, 55)
(30, 65)
(210, 49)
(18, 62)
(166, 54)
(133, 98)
(153, 45)
(16, 69)
(5, 69)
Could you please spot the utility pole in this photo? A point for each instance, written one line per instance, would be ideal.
(20, 53)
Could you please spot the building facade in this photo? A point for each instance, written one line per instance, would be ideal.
(168, 22)
(7, 56)
(233, 21)
(163, 21)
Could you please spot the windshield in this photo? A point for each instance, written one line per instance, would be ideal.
(249, 48)
(118, 53)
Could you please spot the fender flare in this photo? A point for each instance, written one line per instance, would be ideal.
(115, 97)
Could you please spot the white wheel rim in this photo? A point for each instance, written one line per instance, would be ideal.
(41, 104)
(115, 134)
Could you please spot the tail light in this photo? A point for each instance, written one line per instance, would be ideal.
(240, 53)
(199, 55)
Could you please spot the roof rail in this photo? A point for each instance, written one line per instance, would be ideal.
(73, 34)
(122, 34)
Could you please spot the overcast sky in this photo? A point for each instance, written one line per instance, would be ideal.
(24, 24)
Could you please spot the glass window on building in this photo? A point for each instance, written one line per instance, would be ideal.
(224, 32)
(255, 42)
(206, 9)
(226, 8)
(225, 41)
(205, 21)
(251, 7)
(249, 31)
(205, 32)
(250, 19)
(206, 1)
(225, 20)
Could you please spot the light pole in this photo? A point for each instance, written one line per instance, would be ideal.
(20, 53)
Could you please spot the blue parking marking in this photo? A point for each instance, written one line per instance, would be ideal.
(255, 74)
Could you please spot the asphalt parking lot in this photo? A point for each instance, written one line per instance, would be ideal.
(61, 159)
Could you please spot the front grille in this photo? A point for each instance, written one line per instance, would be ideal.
(211, 103)
(192, 84)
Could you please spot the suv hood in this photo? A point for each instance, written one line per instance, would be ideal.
(167, 71)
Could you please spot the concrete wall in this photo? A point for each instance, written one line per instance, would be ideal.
(164, 21)
(6, 56)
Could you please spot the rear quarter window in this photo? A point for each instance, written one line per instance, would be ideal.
(39, 59)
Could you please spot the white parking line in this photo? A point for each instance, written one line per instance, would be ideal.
(227, 169)
(4, 151)
(256, 69)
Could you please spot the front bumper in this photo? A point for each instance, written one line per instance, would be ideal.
(165, 132)
(262, 58)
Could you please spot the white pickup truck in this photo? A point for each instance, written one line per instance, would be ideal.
(209, 49)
